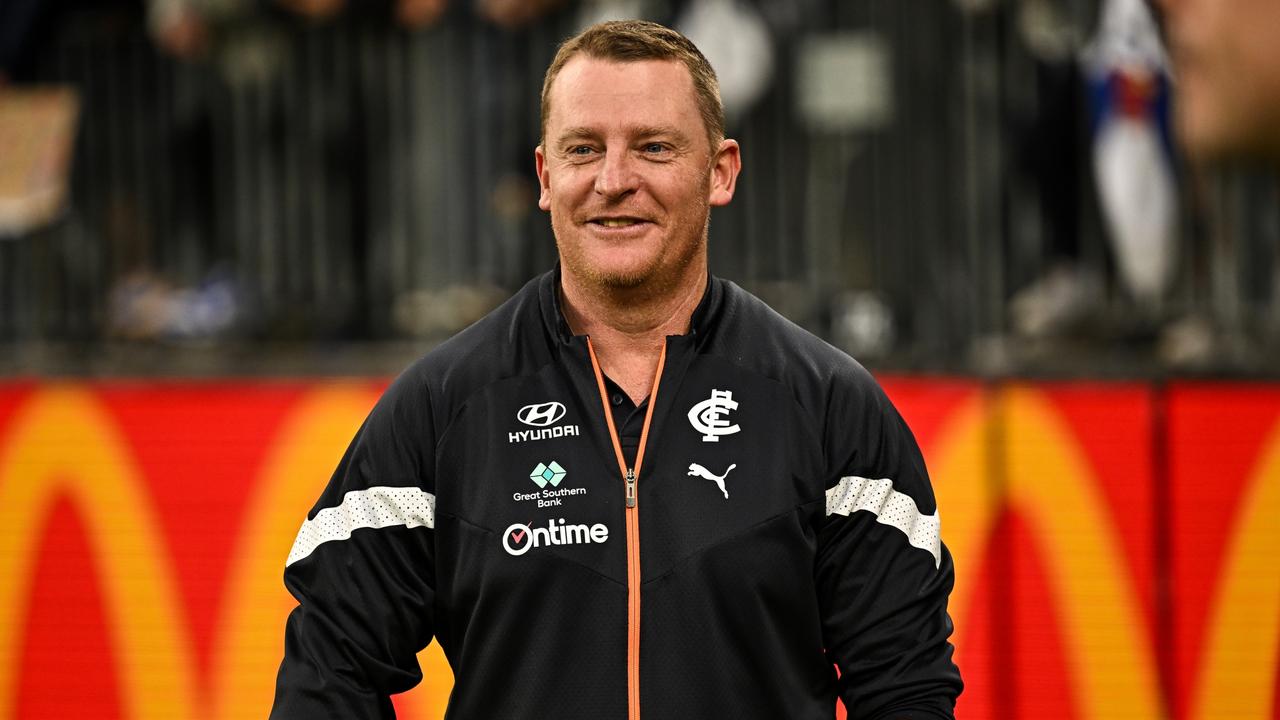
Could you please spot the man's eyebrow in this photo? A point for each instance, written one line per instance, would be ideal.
(651, 131)
(662, 131)
(575, 133)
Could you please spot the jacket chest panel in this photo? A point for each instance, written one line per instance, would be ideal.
(529, 461)
(523, 462)
(730, 454)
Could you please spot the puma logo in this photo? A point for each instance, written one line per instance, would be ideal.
(699, 471)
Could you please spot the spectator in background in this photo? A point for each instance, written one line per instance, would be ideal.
(1227, 68)
(1126, 67)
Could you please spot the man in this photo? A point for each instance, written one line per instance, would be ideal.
(632, 488)
(1227, 73)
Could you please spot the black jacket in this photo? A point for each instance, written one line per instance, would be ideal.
(783, 528)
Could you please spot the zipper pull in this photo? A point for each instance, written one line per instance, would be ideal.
(631, 488)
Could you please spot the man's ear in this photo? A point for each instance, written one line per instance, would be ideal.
(544, 179)
(725, 167)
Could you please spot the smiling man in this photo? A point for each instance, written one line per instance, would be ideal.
(632, 490)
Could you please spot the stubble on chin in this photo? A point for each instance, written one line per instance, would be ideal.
(606, 279)
(656, 277)
(616, 280)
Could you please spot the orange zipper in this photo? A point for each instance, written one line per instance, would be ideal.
(629, 478)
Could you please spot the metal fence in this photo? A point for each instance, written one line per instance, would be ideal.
(350, 182)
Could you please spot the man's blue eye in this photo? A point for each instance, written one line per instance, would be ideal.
(581, 150)
(654, 148)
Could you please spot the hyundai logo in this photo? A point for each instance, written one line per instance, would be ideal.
(541, 415)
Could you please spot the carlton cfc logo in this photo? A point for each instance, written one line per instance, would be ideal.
(706, 416)
(541, 414)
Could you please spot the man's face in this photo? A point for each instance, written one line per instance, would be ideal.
(1226, 57)
(627, 172)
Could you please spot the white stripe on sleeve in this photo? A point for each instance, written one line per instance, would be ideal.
(377, 507)
(890, 507)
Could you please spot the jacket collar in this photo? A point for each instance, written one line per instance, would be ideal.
(704, 315)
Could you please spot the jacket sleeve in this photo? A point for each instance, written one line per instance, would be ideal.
(362, 571)
(882, 572)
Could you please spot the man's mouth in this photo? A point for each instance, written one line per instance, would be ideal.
(616, 222)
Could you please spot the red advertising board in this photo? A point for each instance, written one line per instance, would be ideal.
(1115, 544)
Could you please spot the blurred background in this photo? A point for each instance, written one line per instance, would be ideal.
(973, 186)
(225, 223)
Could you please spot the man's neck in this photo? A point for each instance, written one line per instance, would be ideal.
(628, 328)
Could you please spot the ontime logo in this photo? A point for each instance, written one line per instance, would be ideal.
(520, 538)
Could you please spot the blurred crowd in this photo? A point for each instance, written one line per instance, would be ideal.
(969, 184)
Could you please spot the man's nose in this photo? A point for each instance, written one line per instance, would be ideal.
(618, 174)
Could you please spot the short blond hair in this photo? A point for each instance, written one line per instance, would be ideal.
(633, 40)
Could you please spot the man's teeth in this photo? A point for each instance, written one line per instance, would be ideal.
(617, 223)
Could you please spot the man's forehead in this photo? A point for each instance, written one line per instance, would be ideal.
(585, 82)
(583, 63)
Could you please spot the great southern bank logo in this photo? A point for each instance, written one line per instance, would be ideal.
(541, 416)
(520, 538)
(706, 416)
(543, 474)
(548, 474)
